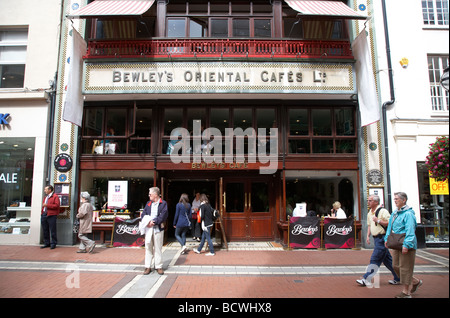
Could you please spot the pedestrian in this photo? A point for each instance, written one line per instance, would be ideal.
(85, 216)
(182, 220)
(49, 214)
(156, 212)
(377, 221)
(196, 227)
(337, 212)
(403, 220)
(206, 215)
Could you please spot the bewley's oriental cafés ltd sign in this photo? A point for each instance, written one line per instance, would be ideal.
(218, 77)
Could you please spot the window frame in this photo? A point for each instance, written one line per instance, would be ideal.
(310, 139)
(21, 43)
(438, 95)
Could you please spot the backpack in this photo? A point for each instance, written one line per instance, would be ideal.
(376, 214)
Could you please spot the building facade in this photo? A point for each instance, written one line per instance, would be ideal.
(419, 46)
(28, 66)
(254, 103)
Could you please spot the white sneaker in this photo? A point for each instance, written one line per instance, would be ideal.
(196, 251)
(210, 254)
(363, 282)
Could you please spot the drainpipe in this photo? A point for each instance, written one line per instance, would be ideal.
(386, 104)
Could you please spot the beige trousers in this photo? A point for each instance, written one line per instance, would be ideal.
(153, 248)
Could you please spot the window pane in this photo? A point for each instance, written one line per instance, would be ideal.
(265, 118)
(299, 146)
(345, 146)
(263, 29)
(242, 118)
(176, 28)
(173, 118)
(234, 197)
(116, 122)
(143, 123)
(241, 28)
(220, 119)
(198, 116)
(260, 197)
(219, 28)
(293, 28)
(345, 125)
(321, 119)
(12, 76)
(197, 28)
(93, 122)
(13, 54)
(298, 122)
(323, 146)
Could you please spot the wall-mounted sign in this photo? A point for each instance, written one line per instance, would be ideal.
(375, 177)
(63, 162)
(117, 194)
(219, 77)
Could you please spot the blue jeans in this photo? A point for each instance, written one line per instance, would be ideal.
(206, 236)
(180, 234)
(380, 256)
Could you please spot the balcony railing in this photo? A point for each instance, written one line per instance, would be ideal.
(168, 48)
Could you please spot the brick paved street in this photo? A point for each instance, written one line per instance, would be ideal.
(31, 272)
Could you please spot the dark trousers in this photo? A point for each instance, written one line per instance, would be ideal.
(48, 224)
(380, 256)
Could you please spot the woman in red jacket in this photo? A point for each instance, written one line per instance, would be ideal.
(49, 213)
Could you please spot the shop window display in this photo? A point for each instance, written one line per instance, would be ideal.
(434, 209)
(16, 178)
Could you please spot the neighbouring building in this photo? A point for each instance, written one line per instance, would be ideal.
(29, 42)
(419, 50)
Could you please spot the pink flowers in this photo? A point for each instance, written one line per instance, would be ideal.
(437, 159)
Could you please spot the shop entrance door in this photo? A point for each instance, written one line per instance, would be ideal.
(248, 209)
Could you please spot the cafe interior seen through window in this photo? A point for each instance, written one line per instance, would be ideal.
(127, 128)
(117, 129)
(322, 130)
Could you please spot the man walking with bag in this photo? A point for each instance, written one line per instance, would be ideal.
(377, 221)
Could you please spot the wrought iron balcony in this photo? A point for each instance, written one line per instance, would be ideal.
(218, 48)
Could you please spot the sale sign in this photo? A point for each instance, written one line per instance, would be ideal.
(438, 187)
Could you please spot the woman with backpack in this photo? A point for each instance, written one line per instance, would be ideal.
(207, 221)
(182, 221)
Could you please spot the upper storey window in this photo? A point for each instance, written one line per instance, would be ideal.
(222, 19)
(13, 52)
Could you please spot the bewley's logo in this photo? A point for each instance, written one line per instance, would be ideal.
(299, 229)
(344, 230)
(207, 146)
(124, 228)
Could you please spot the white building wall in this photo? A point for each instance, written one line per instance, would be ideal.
(411, 123)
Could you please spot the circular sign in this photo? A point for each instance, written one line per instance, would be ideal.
(63, 162)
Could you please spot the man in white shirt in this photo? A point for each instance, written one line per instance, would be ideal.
(156, 208)
(377, 221)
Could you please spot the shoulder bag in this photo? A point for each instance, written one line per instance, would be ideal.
(395, 241)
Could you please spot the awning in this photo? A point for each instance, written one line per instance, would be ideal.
(332, 9)
(108, 8)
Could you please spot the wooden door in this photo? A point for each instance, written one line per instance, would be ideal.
(247, 210)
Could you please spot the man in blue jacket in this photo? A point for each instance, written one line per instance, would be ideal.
(156, 208)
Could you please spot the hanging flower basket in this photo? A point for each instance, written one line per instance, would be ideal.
(437, 159)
